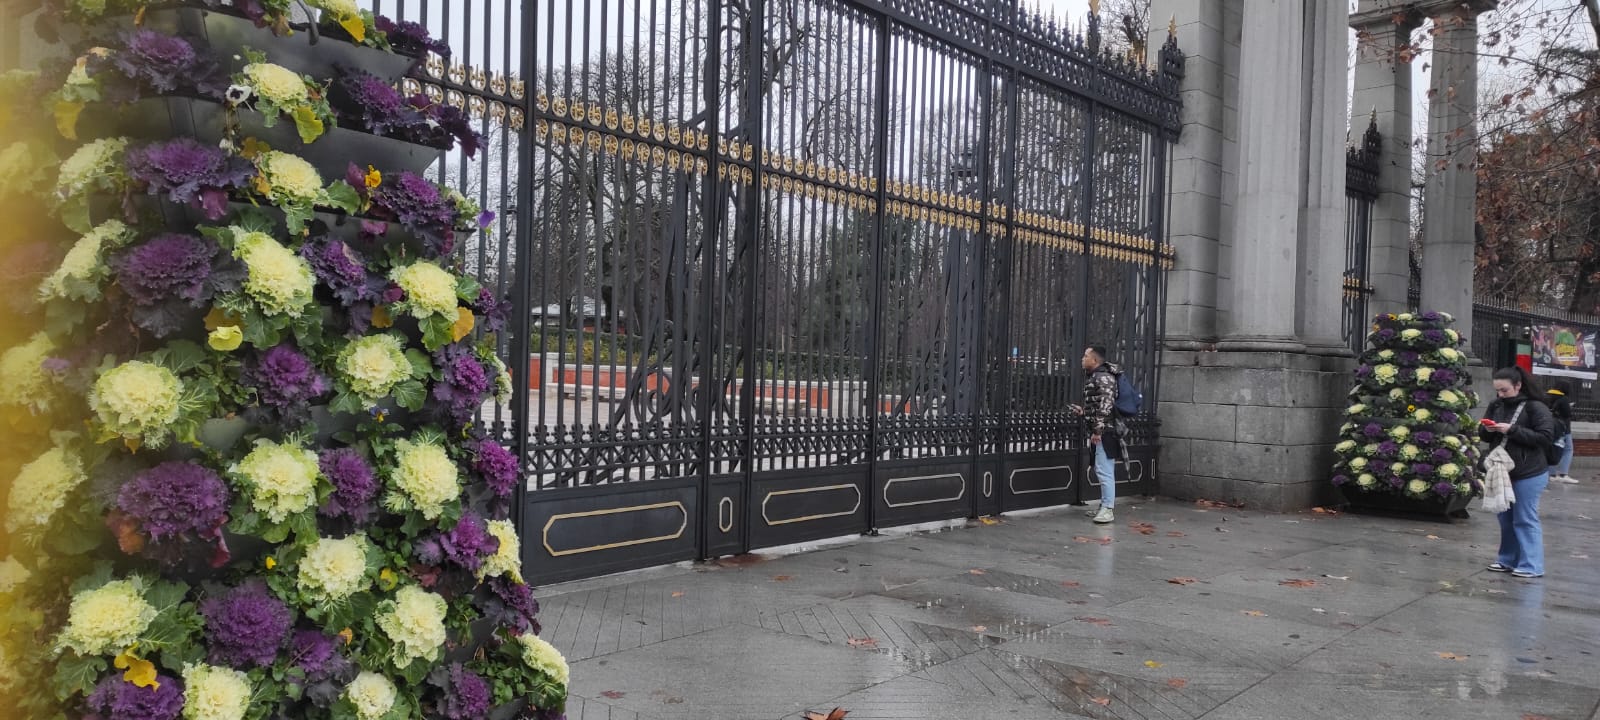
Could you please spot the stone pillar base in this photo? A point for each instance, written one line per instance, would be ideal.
(1251, 427)
(1264, 344)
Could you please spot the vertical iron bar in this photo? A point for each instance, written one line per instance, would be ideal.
(880, 195)
(710, 212)
(524, 232)
(747, 241)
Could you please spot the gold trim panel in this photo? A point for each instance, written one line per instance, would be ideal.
(725, 526)
(613, 511)
(960, 494)
(801, 491)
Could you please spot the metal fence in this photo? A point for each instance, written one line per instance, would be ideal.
(788, 269)
(1360, 192)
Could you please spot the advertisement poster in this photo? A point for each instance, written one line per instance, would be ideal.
(1564, 351)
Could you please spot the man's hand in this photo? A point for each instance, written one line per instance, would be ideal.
(1094, 439)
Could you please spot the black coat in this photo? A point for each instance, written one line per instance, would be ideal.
(1525, 442)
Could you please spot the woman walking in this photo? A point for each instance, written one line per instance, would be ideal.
(1521, 421)
(1561, 407)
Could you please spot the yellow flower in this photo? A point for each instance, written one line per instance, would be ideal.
(373, 365)
(373, 695)
(219, 317)
(1385, 373)
(279, 280)
(140, 672)
(334, 569)
(346, 635)
(373, 178)
(215, 693)
(541, 655)
(226, 338)
(430, 290)
(387, 580)
(289, 178)
(426, 477)
(26, 381)
(463, 325)
(41, 488)
(507, 558)
(381, 317)
(1449, 354)
(277, 84)
(271, 562)
(1424, 374)
(281, 479)
(138, 400)
(106, 619)
(414, 621)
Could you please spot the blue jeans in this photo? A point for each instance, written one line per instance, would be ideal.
(1565, 466)
(1521, 538)
(1106, 469)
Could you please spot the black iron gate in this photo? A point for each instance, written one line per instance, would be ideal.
(792, 269)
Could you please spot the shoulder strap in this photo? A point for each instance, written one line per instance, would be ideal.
(1505, 438)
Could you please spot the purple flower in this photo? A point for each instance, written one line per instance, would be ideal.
(245, 626)
(170, 276)
(466, 545)
(1340, 479)
(1430, 316)
(117, 699)
(285, 381)
(317, 654)
(1443, 489)
(175, 500)
(1435, 337)
(497, 466)
(417, 205)
(464, 385)
(158, 63)
(1422, 469)
(443, 124)
(1422, 397)
(1449, 417)
(1373, 430)
(410, 38)
(341, 269)
(491, 311)
(463, 695)
(1387, 449)
(366, 102)
(510, 605)
(185, 171)
(1442, 455)
(1364, 372)
(1423, 438)
(1410, 358)
(355, 485)
(1443, 378)
(1386, 334)
(1396, 481)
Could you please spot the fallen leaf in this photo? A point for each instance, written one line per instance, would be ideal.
(677, 593)
(1102, 622)
(1177, 683)
(977, 571)
(1175, 533)
(782, 578)
(672, 700)
(1215, 504)
(1580, 557)
(989, 521)
(1101, 701)
(837, 714)
(1183, 580)
(980, 628)
(1143, 528)
(613, 694)
(1298, 583)
(866, 642)
(1319, 610)
(1336, 577)
(1530, 716)
(1433, 537)
(1071, 584)
(1254, 613)
(1452, 656)
(1222, 530)
(1324, 511)
(1100, 540)
(1152, 664)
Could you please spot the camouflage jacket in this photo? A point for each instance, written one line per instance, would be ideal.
(1100, 400)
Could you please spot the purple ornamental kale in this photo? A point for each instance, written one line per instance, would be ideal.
(463, 694)
(1385, 335)
(317, 654)
(1364, 372)
(1410, 358)
(161, 64)
(355, 485)
(171, 276)
(464, 385)
(443, 125)
(1434, 337)
(185, 171)
(497, 466)
(284, 380)
(1422, 469)
(1449, 417)
(1422, 397)
(466, 545)
(1388, 449)
(1373, 430)
(1443, 489)
(245, 626)
(341, 269)
(117, 699)
(1340, 479)
(410, 38)
(1424, 438)
(1396, 481)
(366, 102)
(1443, 378)
(176, 500)
(491, 311)
(1442, 455)
(510, 605)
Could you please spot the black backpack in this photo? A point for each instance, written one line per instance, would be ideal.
(1555, 451)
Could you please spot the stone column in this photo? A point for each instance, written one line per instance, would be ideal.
(1271, 168)
(1383, 97)
(1194, 224)
(1449, 208)
(1323, 216)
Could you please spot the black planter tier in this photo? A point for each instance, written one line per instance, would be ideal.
(311, 54)
(1387, 503)
(204, 120)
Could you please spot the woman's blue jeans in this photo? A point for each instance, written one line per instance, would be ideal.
(1521, 538)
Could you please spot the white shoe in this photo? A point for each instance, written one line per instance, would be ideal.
(1105, 515)
(1567, 479)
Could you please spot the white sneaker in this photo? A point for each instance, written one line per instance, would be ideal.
(1568, 479)
(1105, 515)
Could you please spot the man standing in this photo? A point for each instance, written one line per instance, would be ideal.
(1105, 427)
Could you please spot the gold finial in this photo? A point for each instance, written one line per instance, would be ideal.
(1172, 26)
(1373, 118)
(1094, 7)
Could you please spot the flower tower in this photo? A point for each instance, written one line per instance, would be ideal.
(1410, 439)
(243, 376)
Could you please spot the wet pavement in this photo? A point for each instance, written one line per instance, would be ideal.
(1176, 611)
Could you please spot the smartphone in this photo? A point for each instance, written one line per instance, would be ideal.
(1487, 422)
